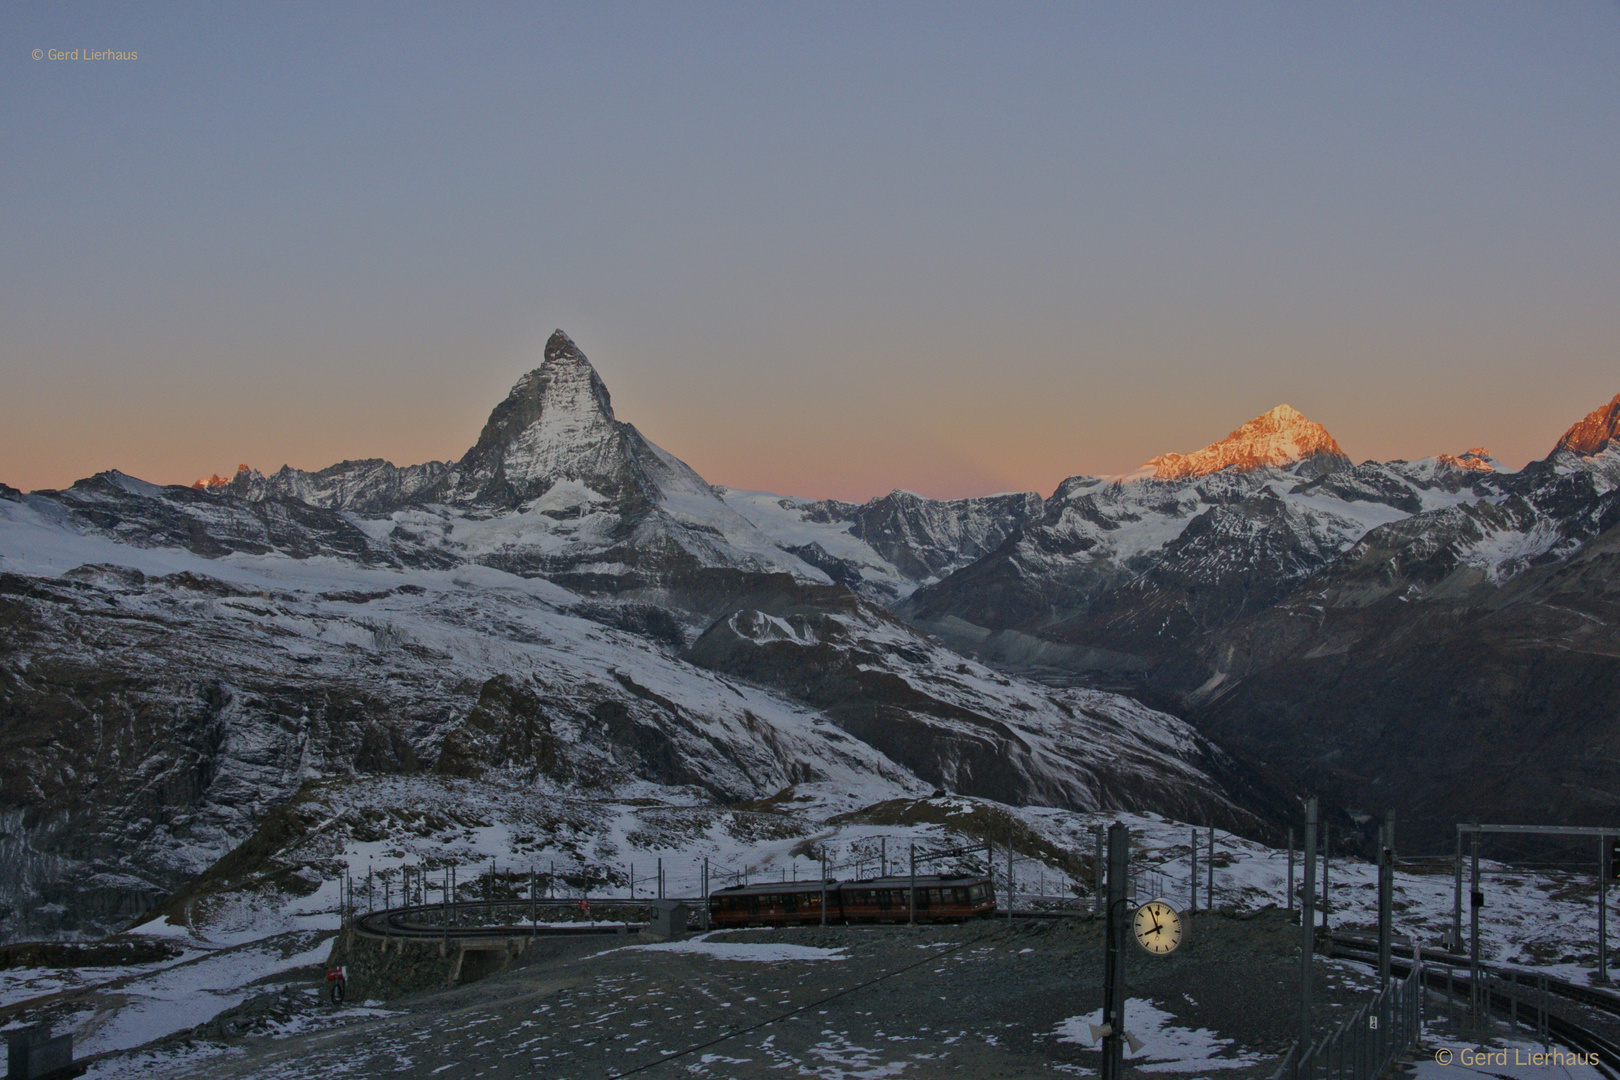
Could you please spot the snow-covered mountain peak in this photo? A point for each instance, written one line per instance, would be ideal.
(1594, 432)
(557, 423)
(557, 428)
(1475, 459)
(1280, 437)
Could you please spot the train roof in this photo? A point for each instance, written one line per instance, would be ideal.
(924, 881)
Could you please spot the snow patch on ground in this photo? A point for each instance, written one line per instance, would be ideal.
(183, 996)
(1166, 1046)
(755, 953)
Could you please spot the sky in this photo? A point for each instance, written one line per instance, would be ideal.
(819, 249)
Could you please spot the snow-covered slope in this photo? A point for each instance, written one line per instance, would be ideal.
(177, 663)
(886, 547)
(1437, 649)
(159, 704)
(1113, 573)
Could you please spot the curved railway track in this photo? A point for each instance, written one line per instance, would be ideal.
(509, 918)
(516, 918)
(1507, 996)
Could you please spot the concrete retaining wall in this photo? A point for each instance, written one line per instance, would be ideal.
(381, 968)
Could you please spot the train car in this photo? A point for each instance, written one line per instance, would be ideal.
(938, 899)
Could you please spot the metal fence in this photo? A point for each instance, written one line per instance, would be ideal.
(1369, 1042)
(1521, 995)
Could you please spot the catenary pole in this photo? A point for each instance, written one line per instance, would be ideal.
(823, 886)
(1193, 899)
(1603, 909)
(1457, 894)
(1209, 897)
(1101, 869)
(1290, 871)
(1009, 871)
(913, 889)
(1307, 925)
(1386, 897)
(1327, 852)
(1476, 900)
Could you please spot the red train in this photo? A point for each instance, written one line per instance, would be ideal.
(881, 900)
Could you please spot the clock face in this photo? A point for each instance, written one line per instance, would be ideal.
(1158, 927)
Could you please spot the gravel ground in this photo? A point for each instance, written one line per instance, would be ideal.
(981, 1000)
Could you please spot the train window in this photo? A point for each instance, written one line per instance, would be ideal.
(976, 893)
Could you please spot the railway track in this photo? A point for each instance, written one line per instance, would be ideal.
(1510, 997)
(494, 918)
(518, 918)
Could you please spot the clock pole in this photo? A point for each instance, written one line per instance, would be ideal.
(1113, 1015)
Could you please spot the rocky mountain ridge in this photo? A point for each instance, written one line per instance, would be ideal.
(1462, 603)
(567, 608)
(570, 607)
(1594, 433)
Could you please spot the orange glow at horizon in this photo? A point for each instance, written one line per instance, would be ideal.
(940, 448)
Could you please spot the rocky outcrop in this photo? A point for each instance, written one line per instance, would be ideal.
(369, 488)
(1593, 433)
(928, 538)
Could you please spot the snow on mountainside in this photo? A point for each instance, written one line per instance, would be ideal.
(159, 704)
(554, 486)
(1443, 636)
(567, 607)
(886, 547)
(1114, 573)
(1278, 438)
(1446, 637)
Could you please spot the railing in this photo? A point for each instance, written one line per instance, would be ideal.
(1522, 995)
(1368, 1043)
